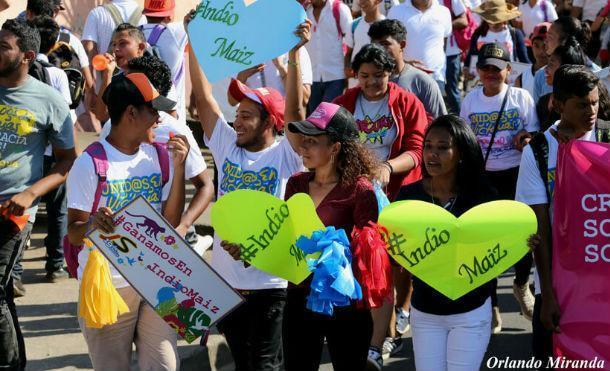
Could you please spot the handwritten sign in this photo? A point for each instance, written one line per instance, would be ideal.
(581, 251)
(228, 36)
(165, 271)
(455, 256)
(267, 228)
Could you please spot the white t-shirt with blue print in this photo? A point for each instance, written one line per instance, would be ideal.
(481, 112)
(267, 170)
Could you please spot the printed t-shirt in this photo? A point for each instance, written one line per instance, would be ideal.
(128, 177)
(425, 298)
(31, 115)
(376, 127)
(267, 170)
(530, 186)
(481, 112)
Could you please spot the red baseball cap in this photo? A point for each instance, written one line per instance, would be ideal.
(269, 98)
(540, 31)
(159, 8)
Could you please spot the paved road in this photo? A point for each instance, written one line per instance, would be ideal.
(53, 339)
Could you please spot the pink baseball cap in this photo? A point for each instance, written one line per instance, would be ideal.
(328, 118)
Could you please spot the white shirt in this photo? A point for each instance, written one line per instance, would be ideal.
(481, 111)
(426, 33)
(171, 45)
(270, 76)
(532, 16)
(590, 8)
(99, 25)
(458, 8)
(360, 36)
(194, 163)
(530, 186)
(58, 81)
(326, 45)
(125, 173)
(266, 170)
(384, 6)
(377, 129)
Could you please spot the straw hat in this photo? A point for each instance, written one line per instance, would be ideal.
(497, 11)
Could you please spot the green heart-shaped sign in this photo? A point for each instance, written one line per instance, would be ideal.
(266, 227)
(457, 255)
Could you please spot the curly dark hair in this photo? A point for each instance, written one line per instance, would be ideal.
(155, 69)
(28, 38)
(41, 7)
(376, 55)
(48, 30)
(353, 161)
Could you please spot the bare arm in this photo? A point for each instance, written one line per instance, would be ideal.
(202, 198)
(207, 107)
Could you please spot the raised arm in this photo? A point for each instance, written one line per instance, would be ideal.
(295, 109)
(207, 107)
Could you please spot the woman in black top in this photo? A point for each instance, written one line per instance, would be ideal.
(450, 332)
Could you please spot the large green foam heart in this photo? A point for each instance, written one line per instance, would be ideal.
(267, 229)
(457, 255)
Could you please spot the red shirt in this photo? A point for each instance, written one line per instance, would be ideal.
(344, 206)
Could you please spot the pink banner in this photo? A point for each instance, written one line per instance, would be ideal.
(581, 251)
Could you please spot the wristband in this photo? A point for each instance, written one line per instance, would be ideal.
(293, 63)
(386, 163)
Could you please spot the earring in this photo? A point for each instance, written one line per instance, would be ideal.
(332, 159)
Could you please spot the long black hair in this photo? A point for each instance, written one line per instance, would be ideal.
(471, 178)
(570, 52)
(572, 27)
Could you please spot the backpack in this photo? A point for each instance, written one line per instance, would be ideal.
(100, 162)
(117, 18)
(540, 148)
(337, 16)
(153, 39)
(38, 70)
(463, 37)
(63, 56)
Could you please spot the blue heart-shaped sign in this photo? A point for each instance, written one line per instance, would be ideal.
(229, 36)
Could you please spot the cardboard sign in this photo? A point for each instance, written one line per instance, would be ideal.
(581, 251)
(457, 255)
(184, 291)
(229, 36)
(267, 229)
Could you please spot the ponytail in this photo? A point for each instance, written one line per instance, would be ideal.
(573, 28)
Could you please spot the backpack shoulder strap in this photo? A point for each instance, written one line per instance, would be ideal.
(355, 24)
(540, 148)
(337, 16)
(64, 37)
(100, 162)
(163, 156)
(602, 131)
(156, 33)
(134, 19)
(117, 18)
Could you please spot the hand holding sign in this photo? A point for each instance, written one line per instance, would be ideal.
(457, 255)
(268, 229)
(227, 37)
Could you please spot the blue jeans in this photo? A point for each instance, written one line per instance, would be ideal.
(12, 346)
(325, 91)
(452, 80)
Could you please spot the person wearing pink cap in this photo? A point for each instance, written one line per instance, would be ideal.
(339, 183)
(251, 155)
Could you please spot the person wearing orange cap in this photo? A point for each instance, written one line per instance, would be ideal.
(167, 40)
(251, 155)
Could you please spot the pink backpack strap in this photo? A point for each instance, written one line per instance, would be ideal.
(337, 16)
(100, 162)
(163, 156)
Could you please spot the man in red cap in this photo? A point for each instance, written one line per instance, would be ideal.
(168, 40)
(251, 155)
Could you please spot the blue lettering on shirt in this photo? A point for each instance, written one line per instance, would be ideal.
(266, 179)
(120, 192)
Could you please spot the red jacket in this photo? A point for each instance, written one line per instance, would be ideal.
(410, 117)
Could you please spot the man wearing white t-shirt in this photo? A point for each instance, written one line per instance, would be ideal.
(250, 155)
(454, 56)
(576, 99)
(326, 49)
(428, 26)
(358, 35)
(170, 39)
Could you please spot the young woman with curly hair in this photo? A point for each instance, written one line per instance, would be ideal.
(339, 183)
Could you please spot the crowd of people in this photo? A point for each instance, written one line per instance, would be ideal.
(455, 103)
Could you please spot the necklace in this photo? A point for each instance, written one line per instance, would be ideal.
(450, 203)
(381, 105)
